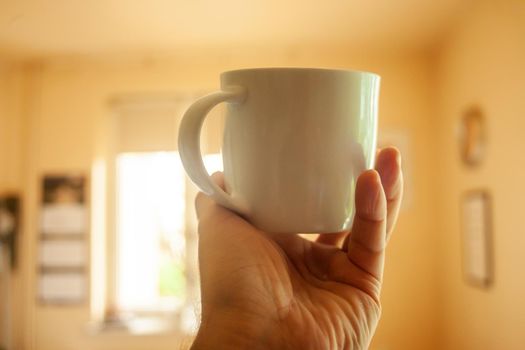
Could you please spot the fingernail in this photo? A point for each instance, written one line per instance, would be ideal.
(376, 202)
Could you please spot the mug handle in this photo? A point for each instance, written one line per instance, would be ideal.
(189, 143)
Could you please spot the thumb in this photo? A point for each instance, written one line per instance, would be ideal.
(367, 241)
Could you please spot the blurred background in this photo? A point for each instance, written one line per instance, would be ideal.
(96, 215)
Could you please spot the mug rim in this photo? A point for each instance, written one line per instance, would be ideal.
(305, 69)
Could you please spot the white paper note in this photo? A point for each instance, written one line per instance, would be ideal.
(62, 287)
(64, 218)
(62, 253)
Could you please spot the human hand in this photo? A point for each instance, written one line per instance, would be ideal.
(281, 291)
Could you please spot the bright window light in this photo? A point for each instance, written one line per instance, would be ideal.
(150, 225)
(213, 162)
(151, 238)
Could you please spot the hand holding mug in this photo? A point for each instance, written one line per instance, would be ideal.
(281, 291)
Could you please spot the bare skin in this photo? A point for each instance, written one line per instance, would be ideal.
(270, 291)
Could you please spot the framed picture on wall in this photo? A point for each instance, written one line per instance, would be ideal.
(476, 231)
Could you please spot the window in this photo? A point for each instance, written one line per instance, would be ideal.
(144, 239)
(152, 240)
(150, 231)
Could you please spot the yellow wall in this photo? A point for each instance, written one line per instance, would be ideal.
(4, 126)
(483, 64)
(10, 128)
(69, 98)
(12, 153)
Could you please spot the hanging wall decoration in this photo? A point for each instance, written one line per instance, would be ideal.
(63, 249)
(9, 226)
(472, 137)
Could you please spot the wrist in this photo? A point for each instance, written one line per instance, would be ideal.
(231, 331)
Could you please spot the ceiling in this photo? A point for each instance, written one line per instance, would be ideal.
(57, 27)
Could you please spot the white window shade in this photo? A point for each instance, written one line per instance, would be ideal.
(148, 126)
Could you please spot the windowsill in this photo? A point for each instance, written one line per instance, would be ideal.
(138, 326)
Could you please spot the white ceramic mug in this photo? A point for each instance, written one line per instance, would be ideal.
(295, 142)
